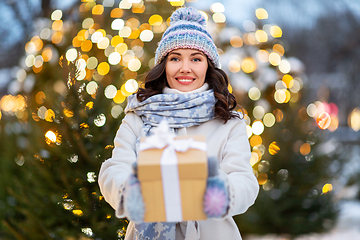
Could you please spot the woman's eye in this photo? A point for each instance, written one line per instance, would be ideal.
(196, 59)
(174, 59)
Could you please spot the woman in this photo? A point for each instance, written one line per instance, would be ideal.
(187, 88)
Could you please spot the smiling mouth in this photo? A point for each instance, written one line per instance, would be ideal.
(185, 80)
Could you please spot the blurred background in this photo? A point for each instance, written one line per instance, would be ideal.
(67, 66)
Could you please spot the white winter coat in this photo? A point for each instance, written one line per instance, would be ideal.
(228, 142)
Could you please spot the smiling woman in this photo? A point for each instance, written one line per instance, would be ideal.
(188, 89)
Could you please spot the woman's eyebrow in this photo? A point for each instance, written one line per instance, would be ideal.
(200, 53)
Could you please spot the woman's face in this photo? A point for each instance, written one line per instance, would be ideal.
(186, 69)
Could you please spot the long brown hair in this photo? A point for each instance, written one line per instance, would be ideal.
(155, 81)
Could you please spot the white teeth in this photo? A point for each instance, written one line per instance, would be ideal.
(185, 80)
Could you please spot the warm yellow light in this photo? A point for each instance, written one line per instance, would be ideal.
(234, 66)
(284, 66)
(116, 13)
(274, 59)
(305, 149)
(56, 15)
(261, 13)
(155, 20)
(248, 65)
(262, 178)
(119, 97)
(219, 17)
(276, 31)
(327, 188)
(50, 137)
(217, 7)
(103, 68)
(57, 25)
(274, 148)
(236, 41)
(354, 119)
(86, 46)
(261, 36)
(262, 55)
(125, 32)
(116, 40)
(97, 9)
(78, 212)
(121, 48)
(255, 140)
(177, 3)
(279, 49)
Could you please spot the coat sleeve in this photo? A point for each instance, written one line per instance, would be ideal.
(115, 171)
(235, 164)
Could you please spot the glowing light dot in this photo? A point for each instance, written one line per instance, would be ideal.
(219, 17)
(234, 66)
(110, 91)
(131, 85)
(146, 35)
(103, 43)
(255, 141)
(262, 178)
(254, 158)
(92, 63)
(264, 166)
(236, 41)
(311, 110)
(280, 96)
(323, 120)
(155, 20)
(119, 98)
(217, 7)
(269, 120)
(261, 13)
(116, 111)
(56, 15)
(327, 188)
(114, 58)
(262, 55)
(98, 9)
(100, 120)
(274, 59)
(103, 68)
(125, 32)
(354, 119)
(77, 212)
(96, 36)
(248, 65)
(276, 31)
(257, 127)
(284, 66)
(261, 36)
(124, 4)
(134, 64)
(248, 131)
(258, 112)
(50, 136)
(305, 149)
(91, 87)
(71, 54)
(117, 24)
(87, 23)
(42, 112)
(274, 148)
(254, 93)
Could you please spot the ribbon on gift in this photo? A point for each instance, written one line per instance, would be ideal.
(163, 137)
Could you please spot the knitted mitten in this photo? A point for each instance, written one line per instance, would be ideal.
(216, 198)
(133, 200)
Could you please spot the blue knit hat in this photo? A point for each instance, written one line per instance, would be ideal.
(187, 30)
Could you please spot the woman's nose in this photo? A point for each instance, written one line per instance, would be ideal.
(185, 67)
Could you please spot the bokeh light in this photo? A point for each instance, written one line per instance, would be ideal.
(323, 120)
(274, 148)
(354, 119)
(261, 13)
(257, 127)
(254, 93)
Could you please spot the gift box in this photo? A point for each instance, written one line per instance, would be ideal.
(173, 178)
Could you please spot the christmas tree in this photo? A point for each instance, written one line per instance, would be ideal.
(79, 67)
